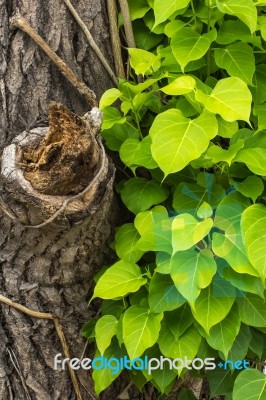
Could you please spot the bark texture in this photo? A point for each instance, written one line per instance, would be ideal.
(28, 80)
(50, 268)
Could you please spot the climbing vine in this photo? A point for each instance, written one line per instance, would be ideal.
(189, 280)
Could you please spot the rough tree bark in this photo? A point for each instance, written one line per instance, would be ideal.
(47, 269)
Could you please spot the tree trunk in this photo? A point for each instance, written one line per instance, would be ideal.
(51, 244)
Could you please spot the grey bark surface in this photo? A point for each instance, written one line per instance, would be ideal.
(48, 269)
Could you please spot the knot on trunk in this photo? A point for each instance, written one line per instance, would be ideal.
(58, 173)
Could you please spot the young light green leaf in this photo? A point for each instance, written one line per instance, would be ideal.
(126, 238)
(112, 116)
(192, 271)
(251, 187)
(134, 153)
(223, 334)
(140, 330)
(137, 8)
(177, 140)
(120, 279)
(254, 158)
(155, 228)
(213, 304)
(163, 294)
(230, 98)
(205, 211)
(188, 45)
(187, 345)
(243, 9)
(250, 385)
(238, 60)
(218, 154)
(254, 232)
(163, 10)
(187, 231)
(105, 329)
(139, 194)
(181, 85)
(226, 129)
(143, 62)
(109, 97)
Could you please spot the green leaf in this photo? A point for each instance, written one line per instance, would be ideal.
(232, 30)
(226, 129)
(259, 111)
(192, 271)
(163, 10)
(230, 98)
(221, 382)
(187, 231)
(181, 85)
(178, 321)
(140, 330)
(137, 8)
(243, 282)
(223, 334)
(186, 394)
(163, 295)
(254, 158)
(243, 9)
(251, 187)
(189, 197)
(177, 140)
(254, 233)
(145, 39)
(240, 346)
(112, 116)
(187, 345)
(126, 238)
(155, 228)
(213, 304)
(218, 154)
(139, 194)
(238, 60)
(143, 62)
(230, 245)
(188, 45)
(115, 136)
(250, 385)
(109, 97)
(205, 211)
(120, 279)
(256, 344)
(252, 310)
(163, 378)
(259, 81)
(134, 153)
(105, 329)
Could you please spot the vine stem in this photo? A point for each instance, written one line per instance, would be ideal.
(59, 331)
(91, 41)
(24, 25)
(209, 53)
(127, 23)
(115, 39)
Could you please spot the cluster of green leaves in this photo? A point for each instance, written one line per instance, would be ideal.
(190, 278)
